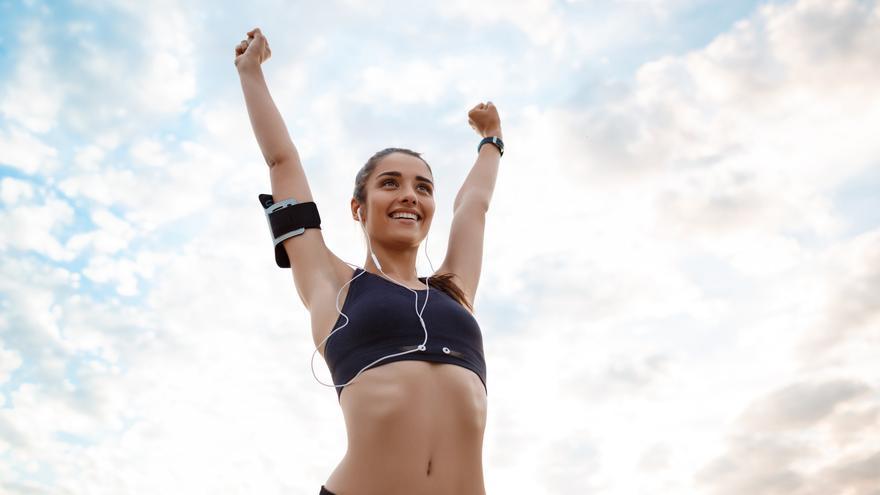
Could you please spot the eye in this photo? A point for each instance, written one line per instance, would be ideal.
(386, 181)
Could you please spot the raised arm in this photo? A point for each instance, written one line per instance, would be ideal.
(480, 182)
(266, 121)
(464, 255)
(315, 268)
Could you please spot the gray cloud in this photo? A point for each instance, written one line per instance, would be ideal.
(800, 405)
(852, 307)
(756, 465)
(776, 447)
(860, 476)
(632, 374)
(655, 458)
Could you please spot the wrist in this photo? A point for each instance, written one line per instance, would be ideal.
(245, 66)
(491, 141)
(494, 132)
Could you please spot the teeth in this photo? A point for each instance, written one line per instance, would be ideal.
(405, 215)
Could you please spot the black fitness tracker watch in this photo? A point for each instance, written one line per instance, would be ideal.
(494, 140)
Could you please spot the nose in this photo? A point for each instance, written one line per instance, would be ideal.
(410, 195)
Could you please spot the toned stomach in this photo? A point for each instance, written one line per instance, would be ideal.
(413, 427)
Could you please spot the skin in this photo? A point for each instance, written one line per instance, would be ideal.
(414, 427)
(396, 243)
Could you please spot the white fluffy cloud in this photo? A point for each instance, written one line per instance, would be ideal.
(24, 151)
(34, 95)
(676, 262)
(672, 299)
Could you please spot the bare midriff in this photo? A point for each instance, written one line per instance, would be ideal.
(413, 427)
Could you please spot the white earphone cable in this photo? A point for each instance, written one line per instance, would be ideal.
(420, 347)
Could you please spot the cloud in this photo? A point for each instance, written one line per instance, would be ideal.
(746, 104)
(755, 465)
(140, 82)
(850, 304)
(34, 95)
(654, 458)
(653, 258)
(860, 474)
(801, 405)
(778, 444)
(10, 360)
(30, 227)
(26, 152)
(540, 20)
(13, 190)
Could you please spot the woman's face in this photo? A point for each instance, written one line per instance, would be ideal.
(399, 182)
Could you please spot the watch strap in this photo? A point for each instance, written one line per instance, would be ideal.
(494, 140)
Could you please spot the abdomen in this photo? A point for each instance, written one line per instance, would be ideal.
(413, 426)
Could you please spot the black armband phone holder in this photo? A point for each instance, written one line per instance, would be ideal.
(287, 219)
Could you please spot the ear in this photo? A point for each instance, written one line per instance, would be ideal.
(355, 209)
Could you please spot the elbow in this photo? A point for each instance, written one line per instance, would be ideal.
(473, 203)
(271, 161)
(283, 157)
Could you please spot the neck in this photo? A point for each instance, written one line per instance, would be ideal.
(399, 265)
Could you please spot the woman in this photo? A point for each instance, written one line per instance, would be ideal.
(411, 386)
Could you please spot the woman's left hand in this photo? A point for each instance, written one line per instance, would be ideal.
(485, 120)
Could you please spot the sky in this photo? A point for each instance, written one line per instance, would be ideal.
(680, 289)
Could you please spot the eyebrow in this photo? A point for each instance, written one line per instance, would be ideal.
(398, 174)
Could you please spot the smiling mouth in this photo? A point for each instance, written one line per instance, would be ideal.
(406, 220)
(402, 219)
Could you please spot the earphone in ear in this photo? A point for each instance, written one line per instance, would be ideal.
(372, 254)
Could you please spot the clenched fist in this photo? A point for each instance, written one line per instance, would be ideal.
(252, 51)
(485, 120)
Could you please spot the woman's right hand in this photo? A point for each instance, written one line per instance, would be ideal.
(253, 51)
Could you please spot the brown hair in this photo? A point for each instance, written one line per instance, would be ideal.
(442, 281)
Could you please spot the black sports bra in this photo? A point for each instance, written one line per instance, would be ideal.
(382, 320)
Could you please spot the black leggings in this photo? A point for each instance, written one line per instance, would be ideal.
(325, 491)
